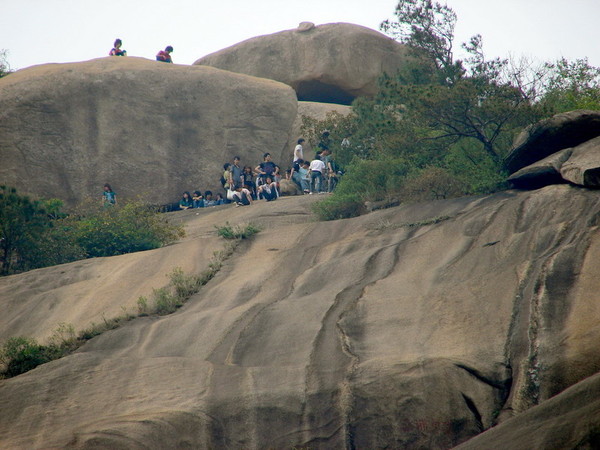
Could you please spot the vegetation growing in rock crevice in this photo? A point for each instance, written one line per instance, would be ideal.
(446, 123)
(22, 354)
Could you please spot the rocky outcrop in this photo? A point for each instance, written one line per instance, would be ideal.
(548, 136)
(569, 420)
(332, 63)
(151, 130)
(412, 327)
(579, 165)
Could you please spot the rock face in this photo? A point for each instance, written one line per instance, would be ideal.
(569, 420)
(579, 165)
(551, 135)
(331, 63)
(411, 327)
(148, 129)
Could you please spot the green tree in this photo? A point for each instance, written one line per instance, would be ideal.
(22, 224)
(427, 27)
(571, 85)
(4, 65)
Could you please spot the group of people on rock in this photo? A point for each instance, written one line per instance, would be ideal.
(245, 184)
(162, 55)
(199, 200)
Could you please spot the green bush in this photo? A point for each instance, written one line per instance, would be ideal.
(124, 229)
(339, 206)
(20, 354)
(431, 183)
(228, 231)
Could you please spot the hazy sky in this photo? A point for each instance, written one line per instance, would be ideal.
(44, 31)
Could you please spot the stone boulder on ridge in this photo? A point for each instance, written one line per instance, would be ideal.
(332, 63)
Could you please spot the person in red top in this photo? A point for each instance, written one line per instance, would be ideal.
(116, 51)
(165, 55)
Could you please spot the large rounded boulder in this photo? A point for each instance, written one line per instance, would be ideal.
(331, 63)
(147, 128)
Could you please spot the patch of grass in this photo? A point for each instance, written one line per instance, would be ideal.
(229, 231)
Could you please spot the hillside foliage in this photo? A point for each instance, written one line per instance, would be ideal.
(441, 127)
(37, 233)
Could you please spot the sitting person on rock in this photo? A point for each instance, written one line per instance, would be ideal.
(198, 199)
(116, 50)
(219, 200)
(209, 200)
(268, 190)
(186, 201)
(242, 196)
(165, 55)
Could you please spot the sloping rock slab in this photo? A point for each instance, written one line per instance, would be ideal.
(148, 129)
(551, 135)
(331, 63)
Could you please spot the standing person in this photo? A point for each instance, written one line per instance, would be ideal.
(333, 173)
(325, 157)
(324, 142)
(316, 169)
(235, 174)
(298, 150)
(226, 176)
(304, 176)
(109, 197)
(267, 168)
(295, 173)
(116, 50)
(165, 55)
(248, 180)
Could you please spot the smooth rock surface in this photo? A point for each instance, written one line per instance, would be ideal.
(332, 63)
(412, 327)
(149, 129)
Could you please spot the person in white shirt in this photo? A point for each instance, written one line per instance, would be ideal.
(298, 151)
(316, 169)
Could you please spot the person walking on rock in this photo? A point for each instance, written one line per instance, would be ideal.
(165, 55)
